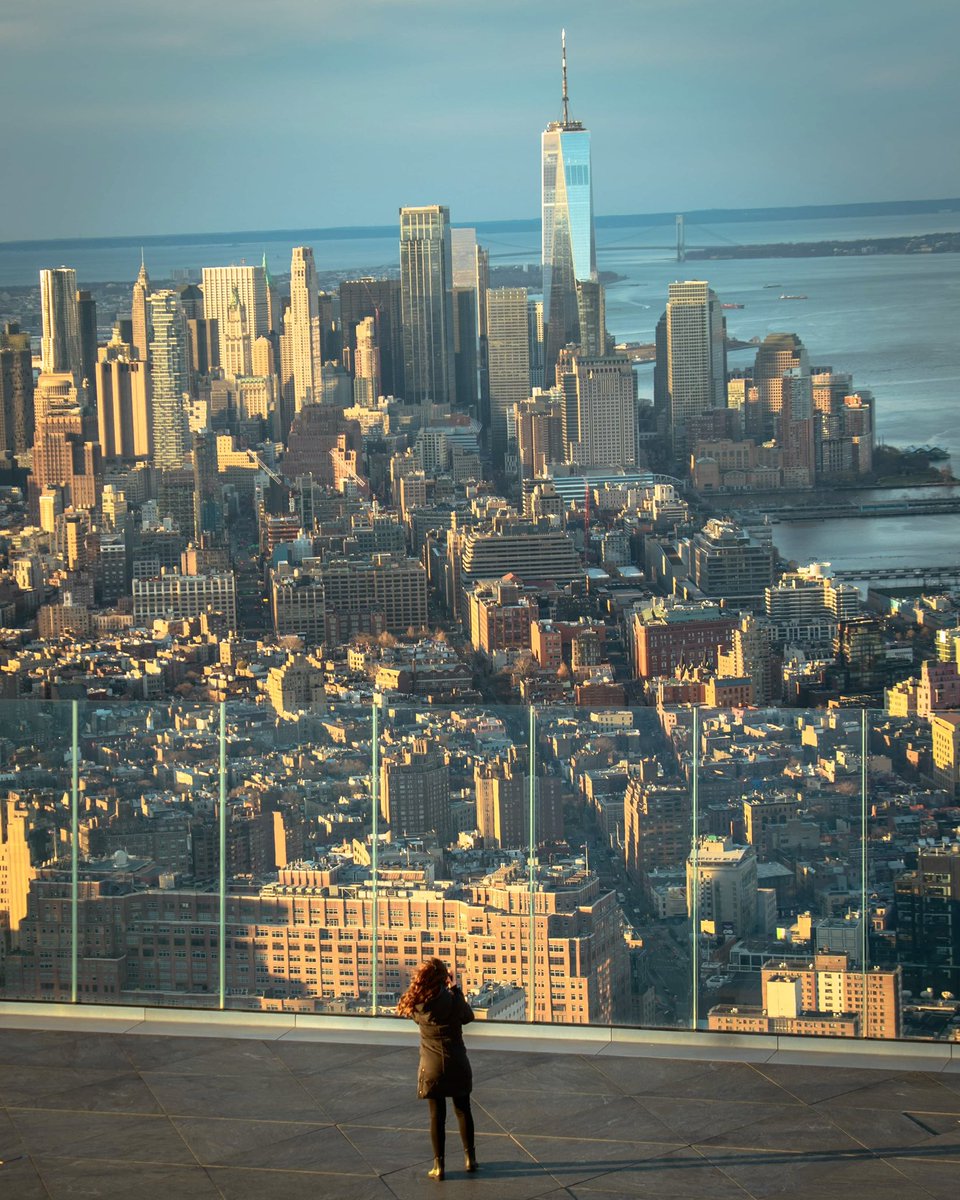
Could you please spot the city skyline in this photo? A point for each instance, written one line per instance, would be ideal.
(890, 100)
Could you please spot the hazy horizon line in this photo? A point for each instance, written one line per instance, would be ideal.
(520, 224)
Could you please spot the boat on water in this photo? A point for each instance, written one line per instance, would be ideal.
(731, 306)
(773, 285)
(798, 297)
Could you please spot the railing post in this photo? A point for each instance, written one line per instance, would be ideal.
(223, 858)
(375, 855)
(695, 872)
(531, 864)
(864, 865)
(74, 850)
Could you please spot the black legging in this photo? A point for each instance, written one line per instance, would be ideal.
(438, 1122)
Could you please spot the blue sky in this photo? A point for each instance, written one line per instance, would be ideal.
(193, 115)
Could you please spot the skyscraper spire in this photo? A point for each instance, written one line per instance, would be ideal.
(563, 60)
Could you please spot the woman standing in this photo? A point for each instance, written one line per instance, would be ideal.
(439, 1008)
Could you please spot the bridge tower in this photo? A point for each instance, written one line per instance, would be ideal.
(681, 239)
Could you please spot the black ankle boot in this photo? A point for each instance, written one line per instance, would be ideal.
(470, 1159)
(437, 1172)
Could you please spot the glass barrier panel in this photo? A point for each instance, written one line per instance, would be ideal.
(781, 868)
(39, 819)
(299, 895)
(913, 983)
(613, 802)
(454, 857)
(149, 908)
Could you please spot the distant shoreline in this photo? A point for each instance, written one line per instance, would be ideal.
(924, 243)
(949, 205)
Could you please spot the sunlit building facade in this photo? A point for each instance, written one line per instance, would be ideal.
(569, 251)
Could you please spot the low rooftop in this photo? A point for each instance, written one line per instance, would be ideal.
(177, 1116)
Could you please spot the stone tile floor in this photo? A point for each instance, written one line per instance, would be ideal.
(146, 1116)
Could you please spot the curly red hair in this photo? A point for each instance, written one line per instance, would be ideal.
(431, 978)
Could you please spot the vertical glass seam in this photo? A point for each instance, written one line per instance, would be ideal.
(374, 856)
(222, 983)
(531, 864)
(695, 871)
(864, 915)
(74, 850)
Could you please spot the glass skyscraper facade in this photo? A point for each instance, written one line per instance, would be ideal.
(169, 376)
(569, 246)
(426, 299)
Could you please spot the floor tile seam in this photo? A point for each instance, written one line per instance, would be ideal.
(205, 1168)
(726, 1174)
(556, 1183)
(228, 1166)
(86, 1112)
(36, 1170)
(790, 1101)
(170, 1115)
(776, 1083)
(310, 1098)
(313, 1125)
(518, 1089)
(748, 1118)
(90, 1112)
(379, 1174)
(852, 1153)
(195, 1166)
(922, 1157)
(949, 1093)
(891, 1163)
(364, 1049)
(479, 1104)
(564, 1137)
(172, 1070)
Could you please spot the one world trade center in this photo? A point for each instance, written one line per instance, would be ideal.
(572, 296)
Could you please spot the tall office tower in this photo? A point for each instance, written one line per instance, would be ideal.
(538, 426)
(656, 829)
(426, 305)
(169, 379)
(691, 367)
(366, 360)
(207, 494)
(331, 343)
(236, 298)
(592, 310)
(191, 301)
(724, 877)
(140, 312)
(304, 328)
(928, 915)
(273, 299)
(781, 355)
(16, 391)
(503, 805)
(87, 317)
(203, 341)
(599, 411)
(508, 363)
(535, 322)
(63, 457)
(60, 341)
(317, 433)
(415, 791)
(380, 299)
(568, 247)
(124, 422)
(471, 271)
